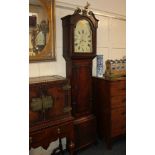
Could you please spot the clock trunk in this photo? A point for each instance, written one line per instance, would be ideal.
(80, 74)
(81, 79)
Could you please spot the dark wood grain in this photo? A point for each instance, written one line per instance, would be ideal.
(56, 122)
(110, 107)
(79, 73)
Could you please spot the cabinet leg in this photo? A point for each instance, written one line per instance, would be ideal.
(58, 148)
(71, 148)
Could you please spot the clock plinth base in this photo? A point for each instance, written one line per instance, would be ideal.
(85, 131)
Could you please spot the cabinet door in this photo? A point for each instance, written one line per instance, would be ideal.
(60, 101)
(35, 105)
(81, 87)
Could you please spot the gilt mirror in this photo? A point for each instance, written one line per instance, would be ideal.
(41, 30)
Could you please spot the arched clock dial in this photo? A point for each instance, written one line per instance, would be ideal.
(82, 37)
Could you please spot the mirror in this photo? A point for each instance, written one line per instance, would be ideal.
(41, 30)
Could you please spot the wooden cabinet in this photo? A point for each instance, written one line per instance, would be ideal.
(50, 111)
(110, 107)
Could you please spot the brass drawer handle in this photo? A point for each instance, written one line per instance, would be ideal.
(47, 102)
(36, 104)
(66, 87)
(58, 131)
(67, 109)
(42, 103)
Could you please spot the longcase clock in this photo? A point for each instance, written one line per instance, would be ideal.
(79, 48)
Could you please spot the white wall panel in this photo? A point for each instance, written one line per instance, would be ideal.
(102, 32)
(44, 68)
(60, 12)
(34, 70)
(59, 68)
(117, 53)
(117, 33)
(115, 6)
(58, 28)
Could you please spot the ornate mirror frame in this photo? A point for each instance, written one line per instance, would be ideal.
(47, 53)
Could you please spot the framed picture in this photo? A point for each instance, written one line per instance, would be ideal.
(41, 30)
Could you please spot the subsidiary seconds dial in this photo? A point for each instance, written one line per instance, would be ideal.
(82, 37)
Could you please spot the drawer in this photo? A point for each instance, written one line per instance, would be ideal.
(116, 91)
(118, 124)
(118, 113)
(45, 136)
(61, 130)
(118, 101)
(118, 131)
(119, 84)
(37, 138)
(118, 118)
(117, 88)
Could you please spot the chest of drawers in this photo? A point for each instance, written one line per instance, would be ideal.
(50, 111)
(110, 107)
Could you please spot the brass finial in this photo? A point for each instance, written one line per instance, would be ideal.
(85, 10)
(87, 6)
(78, 10)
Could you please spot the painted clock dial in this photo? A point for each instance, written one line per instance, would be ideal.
(82, 37)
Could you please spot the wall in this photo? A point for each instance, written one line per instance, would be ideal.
(112, 6)
(111, 35)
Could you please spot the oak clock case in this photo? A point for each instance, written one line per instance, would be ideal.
(79, 49)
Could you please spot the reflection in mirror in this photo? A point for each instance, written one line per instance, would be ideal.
(41, 28)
